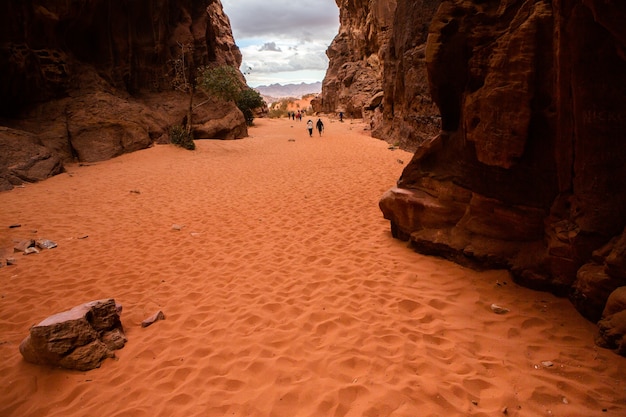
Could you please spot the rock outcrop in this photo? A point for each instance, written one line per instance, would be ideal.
(407, 116)
(528, 170)
(89, 80)
(377, 70)
(353, 81)
(80, 338)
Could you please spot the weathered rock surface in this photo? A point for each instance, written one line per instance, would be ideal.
(355, 71)
(377, 69)
(528, 170)
(90, 80)
(407, 115)
(80, 338)
(613, 323)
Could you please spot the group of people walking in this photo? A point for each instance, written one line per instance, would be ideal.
(319, 125)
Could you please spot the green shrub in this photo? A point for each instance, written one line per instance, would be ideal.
(247, 100)
(224, 82)
(180, 137)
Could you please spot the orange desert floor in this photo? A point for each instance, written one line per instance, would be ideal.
(284, 294)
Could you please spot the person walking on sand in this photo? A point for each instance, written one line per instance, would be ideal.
(309, 126)
(320, 126)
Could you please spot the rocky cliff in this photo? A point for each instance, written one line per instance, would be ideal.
(528, 170)
(353, 81)
(92, 79)
(377, 69)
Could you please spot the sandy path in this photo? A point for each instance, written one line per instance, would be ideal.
(285, 294)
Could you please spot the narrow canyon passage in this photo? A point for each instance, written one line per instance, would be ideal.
(284, 294)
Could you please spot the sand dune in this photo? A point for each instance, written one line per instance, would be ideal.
(283, 291)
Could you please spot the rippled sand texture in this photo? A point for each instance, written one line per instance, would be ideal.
(284, 294)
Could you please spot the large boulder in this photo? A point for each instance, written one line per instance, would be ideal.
(25, 159)
(613, 323)
(80, 338)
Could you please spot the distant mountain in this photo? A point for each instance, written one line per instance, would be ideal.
(279, 91)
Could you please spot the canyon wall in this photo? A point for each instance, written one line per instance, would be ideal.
(89, 80)
(353, 81)
(377, 69)
(527, 172)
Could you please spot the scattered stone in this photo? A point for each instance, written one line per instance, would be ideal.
(155, 317)
(83, 237)
(547, 364)
(14, 226)
(11, 261)
(31, 250)
(177, 227)
(135, 192)
(80, 338)
(400, 161)
(22, 245)
(46, 244)
(195, 234)
(499, 310)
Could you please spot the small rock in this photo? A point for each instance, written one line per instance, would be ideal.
(135, 192)
(547, 364)
(14, 226)
(155, 317)
(177, 227)
(46, 244)
(11, 261)
(31, 250)
(499, 310)
(83, 237)
(505, 411)
(22, 245)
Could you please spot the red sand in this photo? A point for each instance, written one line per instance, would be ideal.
(284, 294)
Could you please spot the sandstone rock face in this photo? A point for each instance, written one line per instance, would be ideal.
(528, 170)
(80, 338)
(613, 324)
(355, 72)
(377, 69)
(407, 116)
(82, 79)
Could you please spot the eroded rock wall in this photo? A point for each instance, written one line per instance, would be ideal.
(528, 170)
(408, 116)
(353, 81)
(79, 78)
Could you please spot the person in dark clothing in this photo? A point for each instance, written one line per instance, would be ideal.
(320, 126)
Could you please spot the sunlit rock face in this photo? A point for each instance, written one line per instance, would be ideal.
(377, 69)
(76, 76)
(528, 170)
(353, 81)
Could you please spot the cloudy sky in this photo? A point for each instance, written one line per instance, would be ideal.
(283, 41)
